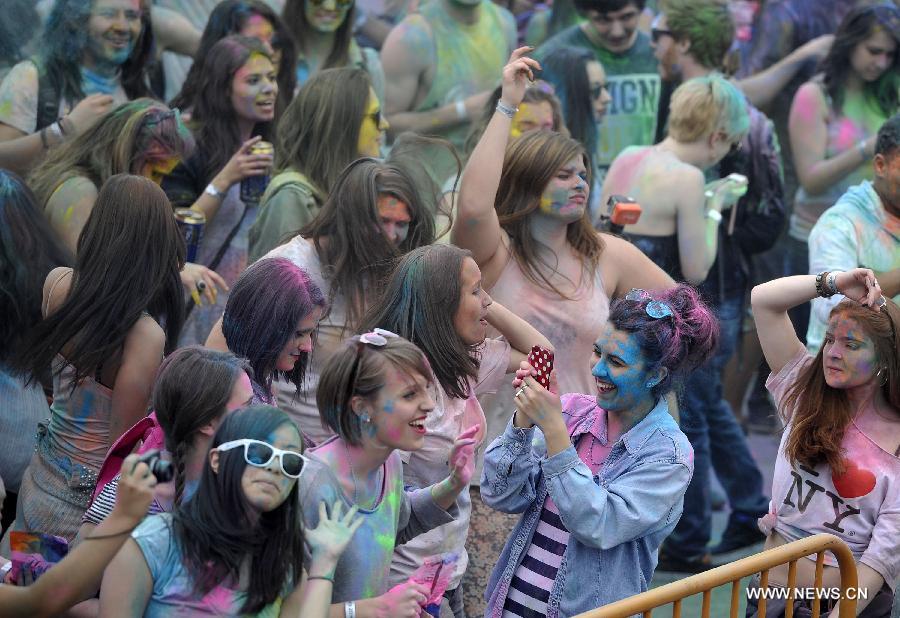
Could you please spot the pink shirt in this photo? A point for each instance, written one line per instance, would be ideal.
(861, 506)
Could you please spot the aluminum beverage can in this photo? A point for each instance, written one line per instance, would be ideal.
(253, 187)
(191, 224)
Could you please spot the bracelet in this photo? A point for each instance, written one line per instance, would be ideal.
(861, 147)
(461, 110)
(715, 215)
(831, 282)
(44, 142)
(506, 110)
(821, 283)
(325, 577)
(62, 126)
(350, 609)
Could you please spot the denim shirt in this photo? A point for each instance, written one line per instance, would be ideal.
(617, 519)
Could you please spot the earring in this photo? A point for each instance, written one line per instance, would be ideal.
(364, 418)
(650, 385)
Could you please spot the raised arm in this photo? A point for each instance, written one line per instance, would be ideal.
(520, 334)
(809, 138)
(476, 227)
(173, 32)
(623, 267)
(772, 300)
(762, 88)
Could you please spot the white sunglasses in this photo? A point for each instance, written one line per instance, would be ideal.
(260, 454)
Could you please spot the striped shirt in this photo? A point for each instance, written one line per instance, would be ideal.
(529, 590)
(105, 501)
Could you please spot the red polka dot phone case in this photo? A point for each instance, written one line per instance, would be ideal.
(542, 361)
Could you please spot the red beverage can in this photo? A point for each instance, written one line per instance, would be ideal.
(191, 224)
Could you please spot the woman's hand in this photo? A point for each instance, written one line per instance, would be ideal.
(135, 490)
(517, 74)
(462, 458)
(89, 110)
(242, 165)
(328, 540)
(860, 285)
(402, 601)
(198, 279)
(543, 407)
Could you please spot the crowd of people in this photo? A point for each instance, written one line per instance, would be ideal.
(344, 307)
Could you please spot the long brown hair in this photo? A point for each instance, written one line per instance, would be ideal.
(419, 302)
(119, 143)
(319, 133)
(357, 256)
(530, 163)
(821, 414)
(128, 260)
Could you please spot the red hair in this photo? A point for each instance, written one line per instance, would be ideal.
(821, 413)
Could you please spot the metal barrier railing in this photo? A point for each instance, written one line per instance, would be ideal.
(733, 572)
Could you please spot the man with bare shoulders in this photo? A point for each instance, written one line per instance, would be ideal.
(441, 64)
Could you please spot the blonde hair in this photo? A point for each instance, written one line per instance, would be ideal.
(704, 105)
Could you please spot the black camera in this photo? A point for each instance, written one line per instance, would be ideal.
(163, 470)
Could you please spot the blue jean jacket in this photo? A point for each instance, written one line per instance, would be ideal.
(617, 519)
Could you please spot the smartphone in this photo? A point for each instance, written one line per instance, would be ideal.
(542, 361)
(623, 210)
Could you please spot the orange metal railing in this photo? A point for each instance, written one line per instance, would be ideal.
(733, 572)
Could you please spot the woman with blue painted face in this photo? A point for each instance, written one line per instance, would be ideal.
(601, 480)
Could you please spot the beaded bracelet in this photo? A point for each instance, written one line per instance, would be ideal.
(822, 283)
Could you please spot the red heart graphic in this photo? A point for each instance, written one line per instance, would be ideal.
(855, 482)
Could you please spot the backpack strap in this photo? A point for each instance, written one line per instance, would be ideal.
(48, 97)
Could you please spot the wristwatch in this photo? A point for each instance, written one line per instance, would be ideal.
(211, 190)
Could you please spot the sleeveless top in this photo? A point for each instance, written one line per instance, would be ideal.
(78, 433)
(857, 122)
(663, 250)
(469, 59)
(572, 326)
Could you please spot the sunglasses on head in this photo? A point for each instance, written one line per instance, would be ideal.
(260, 454)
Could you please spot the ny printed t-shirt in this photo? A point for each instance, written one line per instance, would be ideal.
(860, 506)
(173, 587)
